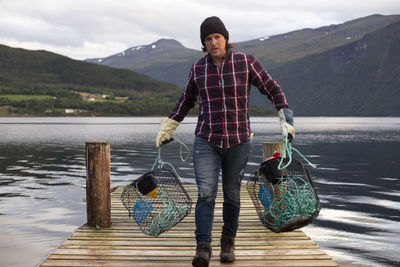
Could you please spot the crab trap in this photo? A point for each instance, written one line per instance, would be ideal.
(157, 200)
(283, 193)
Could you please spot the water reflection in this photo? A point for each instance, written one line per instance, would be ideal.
(42, 178)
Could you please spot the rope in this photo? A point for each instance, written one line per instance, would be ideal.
(295, 197)
(171, 214)
(287, 151)
(159, 163)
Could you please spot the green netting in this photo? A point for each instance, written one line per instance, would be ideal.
(172, 213)
(296, 202)
(286, 202)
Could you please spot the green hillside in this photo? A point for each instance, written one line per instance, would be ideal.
(358, 79)
(39, 82)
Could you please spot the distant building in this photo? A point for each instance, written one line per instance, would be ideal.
(93, 97)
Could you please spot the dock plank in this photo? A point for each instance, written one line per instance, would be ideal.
(123, 244)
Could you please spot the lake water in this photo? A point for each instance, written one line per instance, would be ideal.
(42, 179)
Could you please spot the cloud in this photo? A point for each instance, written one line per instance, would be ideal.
(97, 28)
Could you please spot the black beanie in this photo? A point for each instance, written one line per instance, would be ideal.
(212, 25)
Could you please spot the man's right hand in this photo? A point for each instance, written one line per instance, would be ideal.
(167, 128)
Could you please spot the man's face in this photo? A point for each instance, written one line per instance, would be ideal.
(216, 45)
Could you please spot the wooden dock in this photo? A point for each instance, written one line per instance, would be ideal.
(123, 244)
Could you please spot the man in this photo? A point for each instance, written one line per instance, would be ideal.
(221, 82)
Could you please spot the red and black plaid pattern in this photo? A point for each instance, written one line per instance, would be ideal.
(223, 95)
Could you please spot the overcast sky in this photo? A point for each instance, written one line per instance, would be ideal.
(97, 28)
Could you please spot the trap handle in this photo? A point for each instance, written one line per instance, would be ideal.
(287, 150)
(159, 163)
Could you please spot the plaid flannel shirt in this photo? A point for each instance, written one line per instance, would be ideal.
(223, 95)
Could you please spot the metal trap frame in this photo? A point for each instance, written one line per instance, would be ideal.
(157, 200)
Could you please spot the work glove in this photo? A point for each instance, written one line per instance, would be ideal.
(286, 120)
(167, 128)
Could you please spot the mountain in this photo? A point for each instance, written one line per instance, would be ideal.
(361, 78)
(168, 60)
(350, 69)
(165, 60)
(282, 48)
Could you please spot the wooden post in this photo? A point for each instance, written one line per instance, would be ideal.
(270, 148)
(98, 196)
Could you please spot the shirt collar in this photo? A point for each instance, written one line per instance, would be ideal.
(226, 57)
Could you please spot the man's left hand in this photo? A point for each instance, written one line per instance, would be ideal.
(287, 126)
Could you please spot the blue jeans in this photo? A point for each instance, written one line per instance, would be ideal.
(208, 160)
